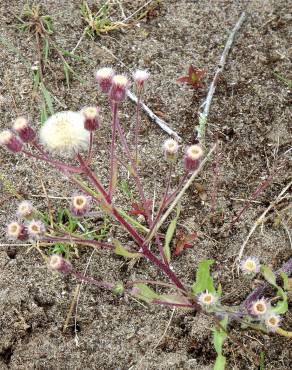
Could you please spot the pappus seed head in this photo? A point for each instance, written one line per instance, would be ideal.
(91, 115)
(35, 229)
(207, 299)
(16, 230)
(80, 205)
(12, 143)
(117, 91)
(104, 78)
(170, 148)
(259, 308)
(60, 264)
(272, 321)
(25, 209)
(193, 157)
(64, 133)
(23, 129)
(250, 265)
(140, 77)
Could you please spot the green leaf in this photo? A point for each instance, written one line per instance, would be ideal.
(220, 363)
(285, 281)
(46, 49)
(121, 251)
(219, 336)
(44, 114)
(269, 275)
(67, 74)
(204, 280)
(169, 234)
(281, 307)
(143, 292)
(48, 98)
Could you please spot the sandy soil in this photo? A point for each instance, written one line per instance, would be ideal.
(250, 115)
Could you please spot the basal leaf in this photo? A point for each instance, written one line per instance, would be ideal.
(143, 292)
(204, 280)
(121, 251)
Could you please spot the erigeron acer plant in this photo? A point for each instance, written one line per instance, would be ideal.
(71, 135)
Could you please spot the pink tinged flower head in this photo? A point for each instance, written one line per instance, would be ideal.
(170, 148)
(60, 264)
(259, 308)
(91, 115)
(193, 157)
(272, 322)
(104, 78)
(23, 129)
(207, 299)
(35, 229)
(64, 133)
(11, 142)
(140, 77)
(25, 209)
(118, 89)
(16, 231)
(80, 205)
(250, 265)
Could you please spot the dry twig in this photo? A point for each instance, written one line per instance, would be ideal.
(207, 103)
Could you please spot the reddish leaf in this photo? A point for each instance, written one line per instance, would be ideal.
(138, 209)
(194, 77)
(184, 241)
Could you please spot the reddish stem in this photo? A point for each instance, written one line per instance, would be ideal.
(112, 148)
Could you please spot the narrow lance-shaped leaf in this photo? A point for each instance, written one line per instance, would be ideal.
(121, 251)
(219, 336)
(143, 292)
(169, 234)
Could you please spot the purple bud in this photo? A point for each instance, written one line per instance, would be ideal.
(11, 142)
(170, 147)
(193, 157)
(24, 130)
(91, 115)
(80, 205)
(104, 78)
(117, 92)
(58, 263)
(16, 230)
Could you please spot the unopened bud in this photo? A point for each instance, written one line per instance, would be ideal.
(118, 89)
(193, 157)
(58, 263)
(16, 230)
(11, 142)
(80, 205)
(91, 115)
(118, 289)
(24, 130)
(170, 147)
(140, 77)
(104, 78)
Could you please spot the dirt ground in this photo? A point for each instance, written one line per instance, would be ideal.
(249, 114)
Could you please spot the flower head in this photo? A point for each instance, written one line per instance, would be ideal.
(272, 322)
(140, 77)
(259, 307)
(35, 229)
(117, 91)
(64, 133)
(80, 204)
(58, 263)
(250, 265)
(11, 142)
(24, 130)
(91, 115)
(170, 147)
(25, 209)
(207, 299)
(193, 157)
(16, 230)
(104, 77)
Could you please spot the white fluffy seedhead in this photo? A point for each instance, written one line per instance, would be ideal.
(64, 133)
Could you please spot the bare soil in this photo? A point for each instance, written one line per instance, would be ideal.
(250, 116)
